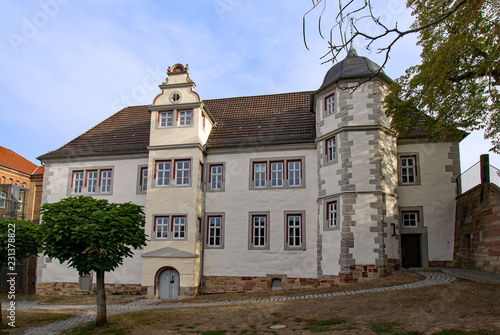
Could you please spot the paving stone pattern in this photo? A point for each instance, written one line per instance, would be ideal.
(429, 279)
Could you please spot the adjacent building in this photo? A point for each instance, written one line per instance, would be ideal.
(20, 198)
(291, 190)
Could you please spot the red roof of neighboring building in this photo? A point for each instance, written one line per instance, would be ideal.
(10, 159)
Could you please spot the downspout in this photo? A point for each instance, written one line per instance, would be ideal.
(204, 197)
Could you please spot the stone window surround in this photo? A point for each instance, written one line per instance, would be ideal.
(286, 183)
(170, 236)
(222, 230)
(326, 162)
(69, 188)
(209, 175)
(175, 116)
(267, 245)
(324, 111)
(173, 179)
(301, 213)
(420, 229)
(326, 201)
(417, 168)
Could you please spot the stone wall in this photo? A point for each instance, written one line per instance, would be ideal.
(225, 284)
(61, 288)
(477, 229)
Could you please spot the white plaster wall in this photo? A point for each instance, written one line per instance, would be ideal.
(180, 200)
(364, 240)
(58, 179)
(391, 242)
(331, 178)
(361, 97)
(331, 241)
(237, 201)
(125, 178)
(176, 134)
(360, 158)
(436, 194)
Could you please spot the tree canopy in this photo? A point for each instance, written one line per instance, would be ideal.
(92, 235)
(22, 235)
(457, 84)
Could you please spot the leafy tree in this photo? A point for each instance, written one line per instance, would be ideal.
(458, 82)
(92, 235)
(20, 239)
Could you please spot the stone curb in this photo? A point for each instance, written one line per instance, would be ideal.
(429, 279)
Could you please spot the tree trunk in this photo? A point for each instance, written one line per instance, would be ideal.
(101, 301)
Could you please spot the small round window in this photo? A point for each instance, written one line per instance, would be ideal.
(175, 97)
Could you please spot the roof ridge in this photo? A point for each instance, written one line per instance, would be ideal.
(260, 95)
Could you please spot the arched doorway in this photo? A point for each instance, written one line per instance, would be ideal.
(168, 284)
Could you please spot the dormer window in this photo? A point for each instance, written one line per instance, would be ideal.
(185, 118)
(165, 119)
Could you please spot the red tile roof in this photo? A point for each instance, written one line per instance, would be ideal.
(277, 118)
(10, 159)
(266, 119)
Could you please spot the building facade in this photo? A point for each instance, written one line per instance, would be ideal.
(20, 198)
(292, 190)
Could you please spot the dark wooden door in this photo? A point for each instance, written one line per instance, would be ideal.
(410, 247)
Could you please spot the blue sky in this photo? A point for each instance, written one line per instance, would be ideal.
(66, 65)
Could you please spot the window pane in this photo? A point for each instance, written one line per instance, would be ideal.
(105, 181)
(91, 181)
(260, 175)
(179, 226)
(161, 227)
(77, 182)
(294, 173)
(214, 230)
(277, 174)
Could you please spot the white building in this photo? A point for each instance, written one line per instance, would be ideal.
(288, 190)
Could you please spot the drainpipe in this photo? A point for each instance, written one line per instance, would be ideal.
(203, 190)
(485, 172)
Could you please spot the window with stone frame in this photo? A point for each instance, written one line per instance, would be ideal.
(163, 172)
(295, 230)
(216, 176)
(161, 227)
(331, 214)
(408, 170)
(143, 179)
(330, 149)
(259, 174)
(185, 117)
(182, 172)
(92, 181)
(330, 104)
(105, 181)
(165, 119)
(277, 173)
(178, 227)
(294, 173)
(410, 219)
(215, 231)
(259, 231)
(95, 181)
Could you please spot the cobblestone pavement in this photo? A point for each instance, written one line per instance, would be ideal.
(429, 279)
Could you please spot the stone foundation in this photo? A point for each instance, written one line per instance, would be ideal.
(440, 264)
(358, 273)
(59, 288)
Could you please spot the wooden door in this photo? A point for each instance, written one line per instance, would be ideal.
(168, 284)
(410, 247)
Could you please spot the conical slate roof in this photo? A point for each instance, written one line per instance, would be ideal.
(353, 66)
